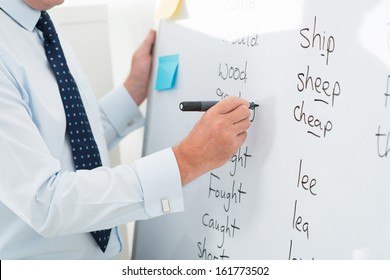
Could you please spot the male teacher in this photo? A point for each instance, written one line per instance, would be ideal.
(59, 199)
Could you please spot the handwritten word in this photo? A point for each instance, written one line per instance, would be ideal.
(226, 228)
(383, 141)
(387, 93)
(298, 223)
(240, 159)
(290, 254)
(244, 40)
(311, 121)
(388, 36)
(231, 5)
(204, 254)
(318, 85)
(304, 180)
(233, 72)
(234, 195)
(223, 95)
(325, 44)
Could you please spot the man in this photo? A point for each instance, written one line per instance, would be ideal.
(50, 202)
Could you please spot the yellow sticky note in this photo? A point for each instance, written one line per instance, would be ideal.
(167, 8)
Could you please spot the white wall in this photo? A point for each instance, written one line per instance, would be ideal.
(128, 24)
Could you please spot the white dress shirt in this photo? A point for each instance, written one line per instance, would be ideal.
(47, 209)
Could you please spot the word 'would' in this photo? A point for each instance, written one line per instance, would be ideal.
(243, 40)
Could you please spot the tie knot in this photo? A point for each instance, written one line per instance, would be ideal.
(46, 25)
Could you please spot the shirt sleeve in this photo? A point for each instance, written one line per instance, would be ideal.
(168, 198)
(120, 115)
(55, 200)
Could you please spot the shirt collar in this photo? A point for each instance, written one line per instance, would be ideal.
(22, 13)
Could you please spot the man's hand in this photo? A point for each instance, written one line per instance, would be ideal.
(214, 139)
(138, 80)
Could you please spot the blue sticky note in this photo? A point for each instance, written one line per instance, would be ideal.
(167, 72)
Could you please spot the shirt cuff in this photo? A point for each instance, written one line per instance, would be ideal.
(161, 183)
(121, 111)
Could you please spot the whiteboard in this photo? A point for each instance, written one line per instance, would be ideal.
(312, 180)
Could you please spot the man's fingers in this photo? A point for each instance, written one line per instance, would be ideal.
(242, 137)
(148, 42)
(229, 104)
(240, 113)
(242, 126)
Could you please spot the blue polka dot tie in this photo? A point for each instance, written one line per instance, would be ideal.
(85, 151)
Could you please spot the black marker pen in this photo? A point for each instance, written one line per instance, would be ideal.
(202, 106)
